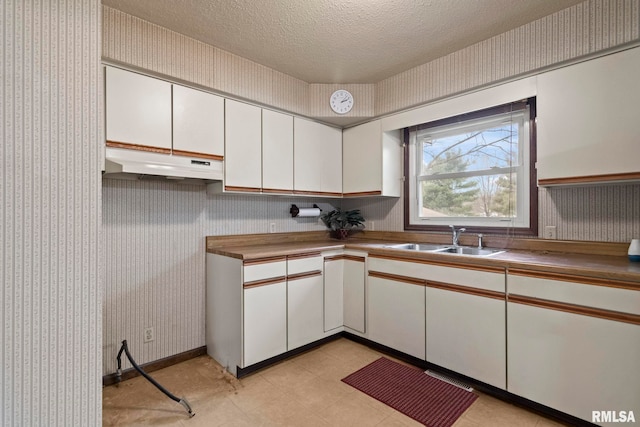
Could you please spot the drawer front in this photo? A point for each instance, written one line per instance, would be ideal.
(473, 277)
(588, 294)
(491, 281)
(401, 268)
(304, 263)
(255, 270)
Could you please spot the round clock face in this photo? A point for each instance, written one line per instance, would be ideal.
(341, 101)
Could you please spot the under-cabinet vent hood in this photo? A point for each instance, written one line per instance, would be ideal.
(143, 165)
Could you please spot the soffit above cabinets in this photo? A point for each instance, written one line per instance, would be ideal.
(340, 41)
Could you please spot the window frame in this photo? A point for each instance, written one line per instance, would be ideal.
(532, 229)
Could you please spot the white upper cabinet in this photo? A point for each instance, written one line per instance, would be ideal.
(317, 158)
(198, 123)
(277, 152)
(243, 147)
(372, 161)
(588, 128)
(138, 110)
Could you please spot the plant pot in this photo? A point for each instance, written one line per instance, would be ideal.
(341, 234)
(634, 250)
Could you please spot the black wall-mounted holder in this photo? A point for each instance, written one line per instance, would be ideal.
(294, 211)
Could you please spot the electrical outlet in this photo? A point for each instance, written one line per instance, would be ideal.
(372, 226)
(148, 334)
(550, 232)
(272, 227)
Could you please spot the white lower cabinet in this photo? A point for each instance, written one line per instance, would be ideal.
(304, 310)
(333, 292)
(574, 347)
(466, 333)
(344, 291)
(397, 314)
(354, 292)
(265, 322)
(466, 321)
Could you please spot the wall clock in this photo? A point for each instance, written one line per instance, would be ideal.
(341, 101)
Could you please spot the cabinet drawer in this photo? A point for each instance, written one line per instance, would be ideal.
(304, 263)
(480, 277)
(391, 266)
(580, 291)
(265, 268)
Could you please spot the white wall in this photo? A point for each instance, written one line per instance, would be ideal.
(50, 190)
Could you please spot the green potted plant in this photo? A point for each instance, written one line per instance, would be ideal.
(341, 223)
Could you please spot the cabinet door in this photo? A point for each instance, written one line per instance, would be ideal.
(277, 152)
(243, 147)
(466, 333)
(331, 141)
(397, 315)
(573, 344)
(354, 293)
(572, 362)
(587, 122)
(304, 310)
(333, 292)
(198, 123)
(362, 158)
(138, 110)
(371, 161)
(317, 158)
(265, 322)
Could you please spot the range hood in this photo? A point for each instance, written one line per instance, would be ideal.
(143, 165)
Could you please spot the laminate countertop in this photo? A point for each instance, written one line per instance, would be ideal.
(614, 268)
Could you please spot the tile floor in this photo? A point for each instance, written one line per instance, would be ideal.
(302, 391)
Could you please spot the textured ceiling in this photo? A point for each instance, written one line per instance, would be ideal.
(340, 41)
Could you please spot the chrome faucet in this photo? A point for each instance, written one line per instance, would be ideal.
(456, 234)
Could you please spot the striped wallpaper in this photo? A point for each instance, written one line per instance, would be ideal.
(154, 241)
(154, 232)
(606, 213)
(581, 30)
(50, 208)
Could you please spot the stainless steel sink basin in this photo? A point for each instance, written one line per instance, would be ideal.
(417, 247)
(466, 250)
(446, 249)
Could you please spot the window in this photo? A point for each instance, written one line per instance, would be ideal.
(474, 170)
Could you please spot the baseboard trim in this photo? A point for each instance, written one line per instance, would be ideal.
(478, 385)
(243, 372)
(154, 366)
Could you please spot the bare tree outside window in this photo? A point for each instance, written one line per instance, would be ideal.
(472, 169)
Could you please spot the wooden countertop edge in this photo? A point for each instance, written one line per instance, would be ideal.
(502, 260)
(256, 252)
(534, 262)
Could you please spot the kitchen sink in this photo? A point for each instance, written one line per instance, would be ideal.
(417, 247)
(466, 250)
(446, 249)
